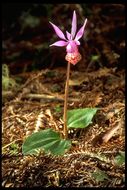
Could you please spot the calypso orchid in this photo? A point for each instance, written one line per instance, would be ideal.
(73, 56)
(72, 41)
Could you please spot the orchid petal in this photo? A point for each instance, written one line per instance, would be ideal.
(58, 31)
(72, 47)
(74, 24)
(68, 35)
(77, 42)
(59, 43)
(81, 31)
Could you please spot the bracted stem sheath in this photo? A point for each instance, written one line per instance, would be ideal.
(65, 101)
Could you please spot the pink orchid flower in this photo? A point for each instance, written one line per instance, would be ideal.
(72, 40)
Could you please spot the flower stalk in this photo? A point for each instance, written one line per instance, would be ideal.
(65, 101)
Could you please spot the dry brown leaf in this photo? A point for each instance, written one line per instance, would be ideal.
(109, 134)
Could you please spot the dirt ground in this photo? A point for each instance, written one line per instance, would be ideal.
(38, 96)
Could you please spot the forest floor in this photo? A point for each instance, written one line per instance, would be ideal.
(38, 101)
(95, 158)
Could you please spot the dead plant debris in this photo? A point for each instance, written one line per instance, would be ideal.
(24, 116)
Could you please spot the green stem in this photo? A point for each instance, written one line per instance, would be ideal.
(65, 101)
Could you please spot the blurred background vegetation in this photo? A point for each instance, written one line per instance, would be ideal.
(27, 34)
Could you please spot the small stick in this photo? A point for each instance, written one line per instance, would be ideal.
(6, 94)
(108, 135)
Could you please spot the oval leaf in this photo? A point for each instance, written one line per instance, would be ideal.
(47, 140)
(80, 118)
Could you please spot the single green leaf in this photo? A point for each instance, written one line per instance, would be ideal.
(95, 57)
(80, 118)
(120, 158)
(99, 175)
(47, 140)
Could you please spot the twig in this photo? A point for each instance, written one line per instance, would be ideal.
(108, 135)
(37, 96)
(43, 96)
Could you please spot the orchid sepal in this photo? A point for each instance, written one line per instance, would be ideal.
(60, 43)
